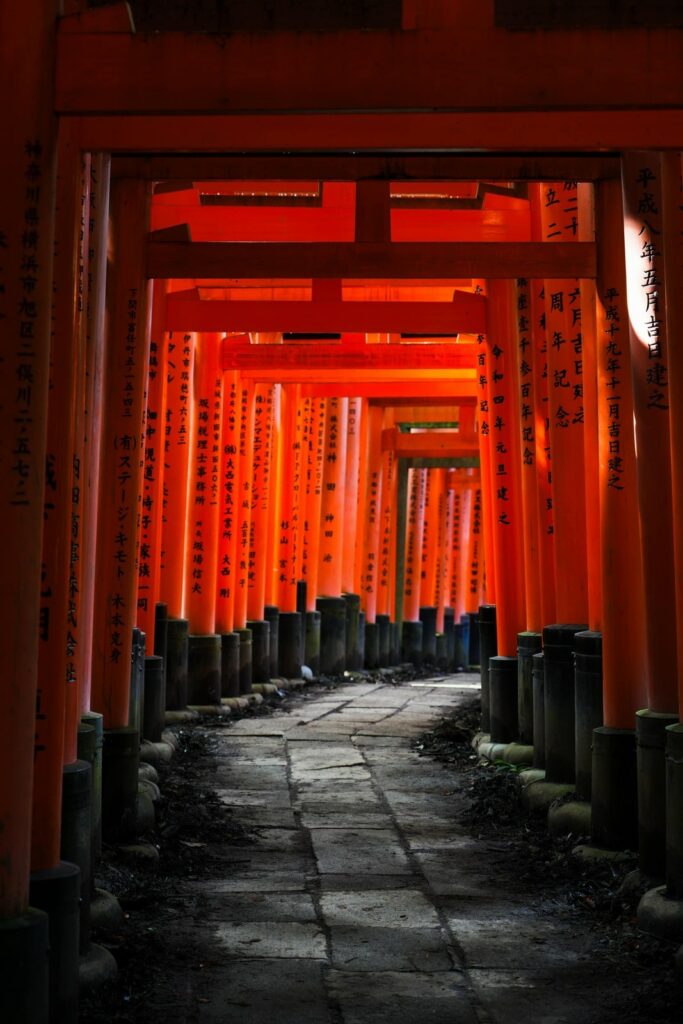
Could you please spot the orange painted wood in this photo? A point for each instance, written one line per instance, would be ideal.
(272, 538)
(353, 442)
(464, 599)
(332, 510)
(65, 391)
(350, 354)
(559, 221)
(460, 315)
(288, 558)
(177, 421)
(151, 516)
(226, 579)
(430, 444)
(430, 532)
(245, 452)
(650, 345)
(672, 212)
(122, 452)
(432, 391)
(413, 544)
(95, 358)
(439, 599)
(369, 577)
(426, 260)
(475, 552)
(625, 654)
(359, 555)
(262, 469)
(525, 366)
(421, 70)
(204, 487)
(485, 463)
(590, 413)
(505, 466)
(313, 465)
(387, 569)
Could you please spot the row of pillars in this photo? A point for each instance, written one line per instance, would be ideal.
(581, 433)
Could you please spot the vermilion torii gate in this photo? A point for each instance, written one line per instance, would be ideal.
(243, 110)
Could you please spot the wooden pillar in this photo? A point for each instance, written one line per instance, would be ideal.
(672, 206)
(177, 420)
(474, 550)
(245, 459)
(649, 344)
(371, 515)
(151, 516)
(261, 497)
(387, 546)
(439, 599)
(559, 221)
(226, 570)
(288, 556)
(413, 548)
(100, 168)
(122, 450)
(624, 658)
(203, 505)
(505, 476)
(313, 493)
(332, 511)
(483, 420)
(272, 540)
(353, 441)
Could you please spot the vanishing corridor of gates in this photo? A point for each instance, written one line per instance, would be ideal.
(319, 354)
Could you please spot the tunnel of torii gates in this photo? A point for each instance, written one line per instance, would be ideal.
(334, 408)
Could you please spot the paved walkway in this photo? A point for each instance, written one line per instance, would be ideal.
(363, 901)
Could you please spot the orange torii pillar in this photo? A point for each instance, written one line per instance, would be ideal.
(507, 507)
(389, 652)
(449, 610)
(245, 457)
(152, 617)
(201, 539)
(371, 535)
(559, 218)
(313, 465)
(179, 358)
(482, 641)
(648, 292)
(411, 635)
(624, 656)
(354, 651)
(531, 410)
(440, 569)
(330, 603)
(226, 572)
(428, 563)
(263, 628)
(672, 186)
(26, 254)
(56, 882)
(119, 505)
(288, 559)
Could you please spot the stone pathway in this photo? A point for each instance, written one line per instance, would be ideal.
(363, 902)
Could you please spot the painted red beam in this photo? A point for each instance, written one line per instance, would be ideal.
(174, 72)
(430, 444)
(464, 315)
(432, 392)
(192, 260)
(343, 357)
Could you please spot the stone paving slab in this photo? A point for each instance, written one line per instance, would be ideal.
(379, 909)
(385, 997)
(359, 851)
(289, 940)
(265, 991)
(389, 949)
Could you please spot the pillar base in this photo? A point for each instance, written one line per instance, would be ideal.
(332, 635)
(503, 698)
(246, 661)
(24, 955)
(137, 679)
(615, 794)
(674, 811)
(538, 687)
(587, 706)
(120, 763)
(57, 892)
(312, 642)
(483, 627)
(411, 643)
(76, 835)
(559, 642)
(153, 721)
(428, 620)
(384, 640)
(353, 654)
(528, 644)
(96, 722)
(460, 646)
(290, 645)
(474, 654)
(260, 649)
(442, 652)
(651, 768)
(176, 664)
(272, 616)
(395, 635)
(161, 633)
(204, 669)
(230, 665)
(371, 645)
(449, 633)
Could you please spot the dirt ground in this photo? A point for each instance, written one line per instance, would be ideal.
(159, 961)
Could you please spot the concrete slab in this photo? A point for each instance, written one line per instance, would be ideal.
(379, 909)
(384, 997)
(256, 906)
(359, 851)
(249, 991)
(389, 949)
(288, 940)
